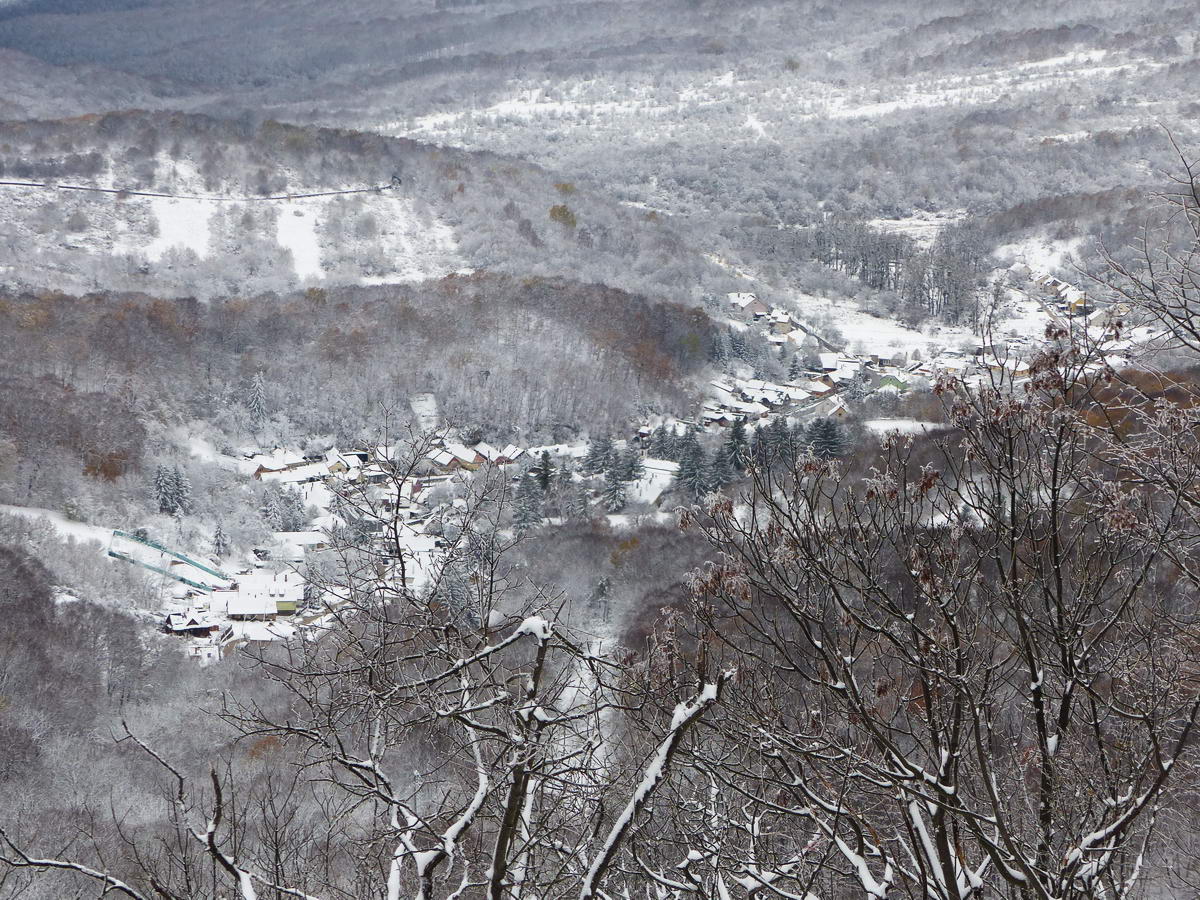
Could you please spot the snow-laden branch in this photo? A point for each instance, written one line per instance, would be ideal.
(685, 716)
(22, 860)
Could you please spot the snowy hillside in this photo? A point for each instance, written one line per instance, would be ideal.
(191, 206)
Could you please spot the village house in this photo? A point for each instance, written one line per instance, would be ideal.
(781, 322)
(260, 595)
(495, 457)
(887, 356)
(294, 546)
(748, 305)
(191, 622)
(714, 414)
(253, 634)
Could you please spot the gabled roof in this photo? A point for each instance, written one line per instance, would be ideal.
(189, 620)
(487, 451)
(463, 453)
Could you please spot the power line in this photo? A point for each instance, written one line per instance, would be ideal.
(212, 198)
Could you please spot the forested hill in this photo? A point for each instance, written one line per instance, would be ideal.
(452, 210)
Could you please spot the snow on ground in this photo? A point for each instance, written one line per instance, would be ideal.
(757, 100)
(904, 426)
(425, 408)
(181, 223)
(922, 227)
(1042, 254)
(296, 230)
(576, 451)
(979, 88)
(415, 245)
(1024, 317)
(755, 125)
(659, 475)
(151, 556)
(79, 531)
(203, 449)
(865, 331)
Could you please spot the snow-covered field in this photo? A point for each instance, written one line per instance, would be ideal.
(922, 227)
(296, 231)
(181, 224)
(368, 238)
(1042, 254)
(903, 426)
(78, 531)
(762, 104)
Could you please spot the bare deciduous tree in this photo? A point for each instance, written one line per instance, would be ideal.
(967, 675)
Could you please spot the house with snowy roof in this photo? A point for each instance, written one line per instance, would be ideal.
(781, 321)
(260, 595)
(748, 305)
(191, 623)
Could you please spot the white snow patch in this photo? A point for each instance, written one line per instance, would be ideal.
(296, 230)
(904, 426)
(181, 223)
(79, 531)
(1041, 254)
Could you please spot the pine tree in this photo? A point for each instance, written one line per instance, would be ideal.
(630, 467)
(693, 475)
(776, 441)
(528, 512)
(164, 490)
(723, 470)
(737, 447)
(670, 444)
(182, 490)
(256, 401)
(825, 436)
(794, 368)
(453, 591)
(579, 504)
(613, 497)
(737, 345)
(221, 545)
(760, 447)
(273, 512)
(544, 472)
(599, 455)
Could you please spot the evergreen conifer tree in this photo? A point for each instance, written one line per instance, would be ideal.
(723, 470)
(256, 401)
(544, 471)
(273, 512)
(164, 489)
(613, 496)
(825, 436)
(760, 446)
(599, 455)
(579, 504)
(658, 443)
(631, 468)
(693, 474)
(221, 545)
(182, 490)
(528, 511)
(737, 446)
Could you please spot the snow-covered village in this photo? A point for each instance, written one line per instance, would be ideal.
(557, 450)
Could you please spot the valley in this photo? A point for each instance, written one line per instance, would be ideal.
(513, 449)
